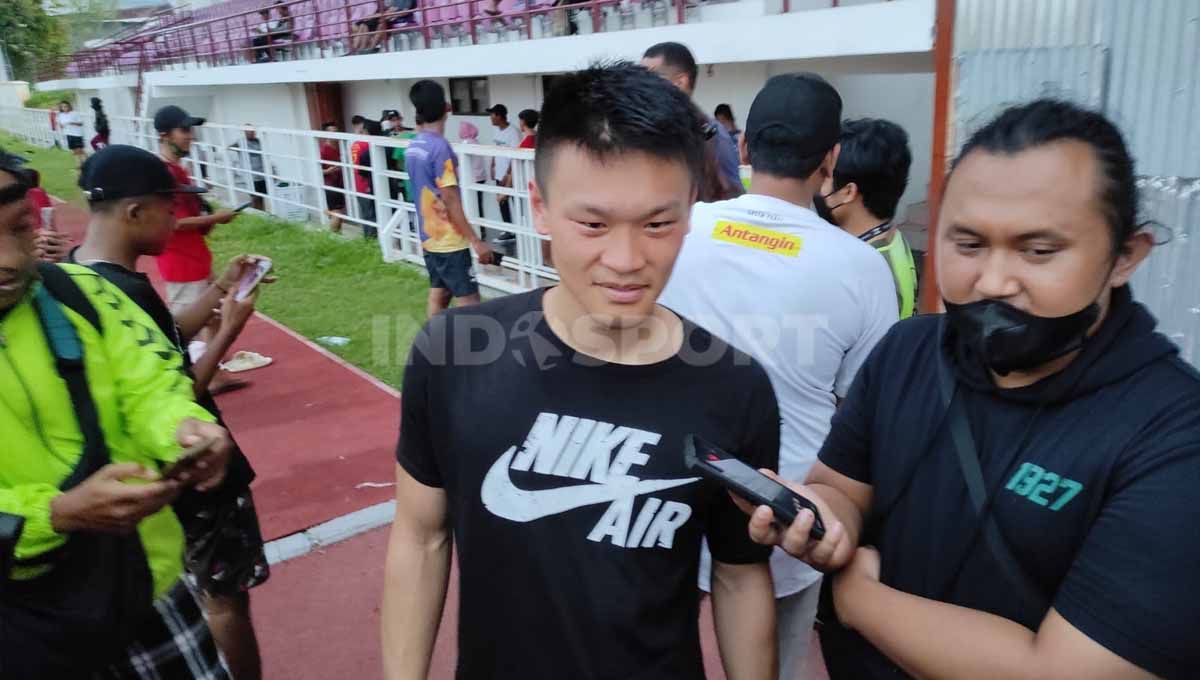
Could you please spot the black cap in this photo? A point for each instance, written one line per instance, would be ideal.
(500, 110)
(802, 107)
(121, 171)
(389, 113)
(172, 117)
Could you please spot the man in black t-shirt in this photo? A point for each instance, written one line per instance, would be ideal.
(576, 523)
(1024, 469)
(127, 190)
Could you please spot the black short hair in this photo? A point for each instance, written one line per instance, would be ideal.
(723, 110)
(618, 107)
(771, 154)
(530, 118)
(875, 156)
(677, 56)
(329, 123)
(1045, 121)
(357, 120)
(429, 99)
(372, 127)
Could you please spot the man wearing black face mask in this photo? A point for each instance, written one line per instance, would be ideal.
(1025, 467)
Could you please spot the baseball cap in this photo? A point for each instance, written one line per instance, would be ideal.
(499, 110)
(172, 117)
(122, 171)
(802, 108)
(389, 113)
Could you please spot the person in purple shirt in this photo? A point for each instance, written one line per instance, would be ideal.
(675, 62)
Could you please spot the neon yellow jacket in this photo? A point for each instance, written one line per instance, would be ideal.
(904, 270)
(141, 393)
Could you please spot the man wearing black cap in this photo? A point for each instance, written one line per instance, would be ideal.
(186, 262)
(809, 300)
(129, 193)
(507, 136)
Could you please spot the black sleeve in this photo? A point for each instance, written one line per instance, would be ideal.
(847, 448)
(728, 528)
(1132, 588)
(415, 450)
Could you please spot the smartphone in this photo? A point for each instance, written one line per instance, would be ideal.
(47, 215)
(243, 206)
(712, 463)
(251, 278)
(186, 461)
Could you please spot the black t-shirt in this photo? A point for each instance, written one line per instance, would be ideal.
(1097, 505)
(137, 287)
(577, 526)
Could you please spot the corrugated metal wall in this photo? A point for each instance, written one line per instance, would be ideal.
(1139, 62)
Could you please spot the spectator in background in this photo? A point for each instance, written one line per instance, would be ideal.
(393, 126)
(364, 180)
(50, 244)
(724, 116)
(251, 155)
(102, 130)
(72, 126)
(506, 136)
(262, 36)
(863, 192)
(364, 35)
(469, 134)
(186, 262)
(828, 294)
(675, 62)
(393, 122)
(529, 122)
(332, 174)
(446, 236)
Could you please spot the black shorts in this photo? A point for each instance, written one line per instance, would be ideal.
(452, 271)
(335, 200)
(225, 544)
(74, 142)
(260, 186)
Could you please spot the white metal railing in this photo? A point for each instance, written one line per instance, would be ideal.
(295, 190)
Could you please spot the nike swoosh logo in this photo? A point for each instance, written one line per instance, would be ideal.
(507, 500)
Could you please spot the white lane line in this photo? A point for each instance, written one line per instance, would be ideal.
(328, 533)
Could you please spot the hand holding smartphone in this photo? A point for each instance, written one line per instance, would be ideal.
(712, 463)
(251, 278)
(186, 462)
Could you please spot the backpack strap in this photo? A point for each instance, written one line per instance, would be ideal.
(68, 293)
(68, 359)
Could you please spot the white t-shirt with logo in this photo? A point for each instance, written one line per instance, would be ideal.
(509, 137)
(71, 123)
(804, 298)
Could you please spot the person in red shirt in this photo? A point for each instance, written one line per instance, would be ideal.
(528, 123)
(50, 244)
(360, 155)
(331, 156)
(186, 263)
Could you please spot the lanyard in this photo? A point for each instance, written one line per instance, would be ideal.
(875, 232)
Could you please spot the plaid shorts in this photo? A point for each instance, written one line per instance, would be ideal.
(174, 645)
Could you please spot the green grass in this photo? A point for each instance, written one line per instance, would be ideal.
(48, 99)
(330, 286)
(56, 166)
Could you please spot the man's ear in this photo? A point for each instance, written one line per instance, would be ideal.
(851, 192)
(831, 159)
(132, 210)
(538, 203)
(743, 149)
(1133, 252)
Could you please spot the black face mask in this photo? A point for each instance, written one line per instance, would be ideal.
(1007, 339)
(822, 208)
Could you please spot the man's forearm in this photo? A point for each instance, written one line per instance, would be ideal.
(209, 363)
(195, 317)
(931, 639)
(458, 217)
(194, 223)
(844, 508)
(743, 602)
(413, 597)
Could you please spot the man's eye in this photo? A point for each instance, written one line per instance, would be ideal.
(968, 246)
(591, 225)
(658, 225)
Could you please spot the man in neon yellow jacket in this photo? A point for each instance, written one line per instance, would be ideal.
(146, 414)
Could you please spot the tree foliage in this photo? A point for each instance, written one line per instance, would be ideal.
(32, 39)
